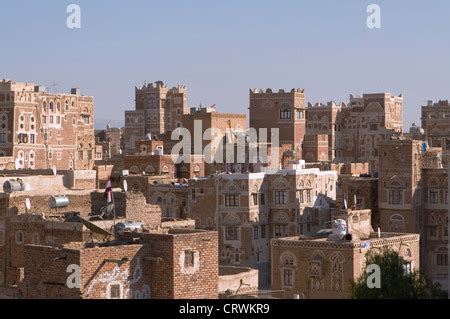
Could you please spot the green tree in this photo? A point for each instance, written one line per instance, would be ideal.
(396, 282)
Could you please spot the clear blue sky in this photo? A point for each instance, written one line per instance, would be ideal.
(220, 49)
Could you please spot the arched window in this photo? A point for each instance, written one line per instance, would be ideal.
(58, 106)
(134, 170)
(165, 170)
(337, 272)
(52, 107)
(397, 223)
(316, 265)
(285, 112)
(288, 263)
(150, 170)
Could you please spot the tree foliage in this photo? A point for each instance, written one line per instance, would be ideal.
(396, 283)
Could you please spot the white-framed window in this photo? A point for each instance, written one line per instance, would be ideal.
(114, 290)
(288, 275)
(231, 233)
(263, 199)
(285, 114)
(20, 237)
(263, 231)
(255, 198)
(395, 196)
(407, 267)
(231, 200)
(280, 230)
(442, 257)
(255, 232)
(281, 197)
(433, 196)
(308, 196)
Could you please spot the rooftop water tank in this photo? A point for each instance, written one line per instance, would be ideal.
(13, 186)
(129, 226)
(58, 201)
(339, 227)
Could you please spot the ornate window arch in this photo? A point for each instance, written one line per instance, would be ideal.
(149, 169)
(280, 184)
(231, 188)
(170, 199)
(337, 272)
(287, 259)
(280, 218)
(157, 198)
(397, 223)
(232, 220)
(288, 264)
(134, 169)
(315, 272)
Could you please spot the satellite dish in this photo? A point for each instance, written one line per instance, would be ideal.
(54, 170)
(125, 185)
(27, 204)
(17, 163)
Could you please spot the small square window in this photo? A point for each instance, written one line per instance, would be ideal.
(114, 291)
(189, 257)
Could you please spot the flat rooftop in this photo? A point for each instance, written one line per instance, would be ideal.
(322, 241)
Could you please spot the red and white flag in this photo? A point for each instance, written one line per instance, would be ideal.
(108, 191)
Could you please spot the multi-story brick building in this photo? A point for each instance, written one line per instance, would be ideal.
(323, 267)
(250, 209)
(171, 264)
(171, 197)
(281, 110)
(322, 119)
(225, 126)
(413, 197)
(111, 141)
(40, 129)
(158, 110)
(399, 185)
(361, 192)
(436, 124)
(355, 130)
(315, 148)
(433, 221)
